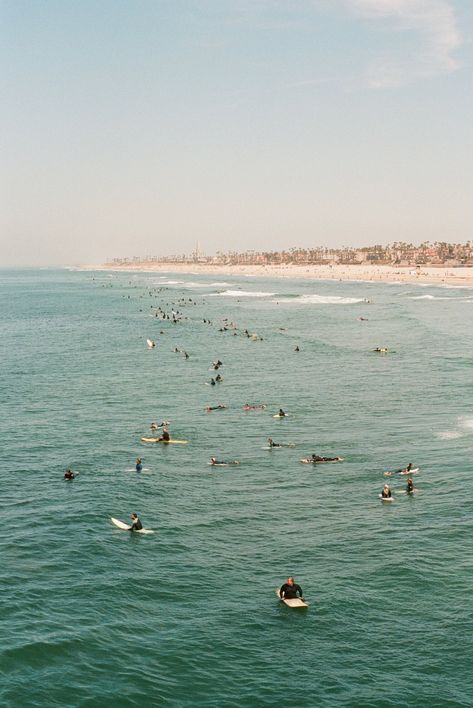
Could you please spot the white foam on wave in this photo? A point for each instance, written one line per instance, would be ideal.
(466, 422)
(205, 285)
(449, 435)
(440, 297)
(242, 293)
(323, 300)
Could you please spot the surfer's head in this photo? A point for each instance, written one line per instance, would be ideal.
(290, 580)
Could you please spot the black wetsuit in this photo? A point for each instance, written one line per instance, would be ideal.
(136, 525)
(290, 591)
(386, 495)
(165, 436)
(410, 487)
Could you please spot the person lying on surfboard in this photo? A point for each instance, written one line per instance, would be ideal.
(214, 461)
(136, 524)
(289, 590)
(317, 458)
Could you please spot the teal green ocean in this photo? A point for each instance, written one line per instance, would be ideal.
(188, 616)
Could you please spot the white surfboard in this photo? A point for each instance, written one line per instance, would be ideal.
(150, 343)
(385, 499)
(126, 527)
(293, 601)
(281, 416)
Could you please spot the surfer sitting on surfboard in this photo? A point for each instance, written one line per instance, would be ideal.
(410, 486)
(165, 437)
(289, 590)
(139, 466)
(386, 493)
(68, 474)
(271, 443)
(136, 524)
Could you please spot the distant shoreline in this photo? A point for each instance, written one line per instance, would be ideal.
(372, 273)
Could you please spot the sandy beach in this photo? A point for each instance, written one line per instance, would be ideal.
(442, 275)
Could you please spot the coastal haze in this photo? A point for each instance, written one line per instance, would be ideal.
(136, 128)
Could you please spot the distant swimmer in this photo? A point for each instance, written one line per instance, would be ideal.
(363, 319)
(69, 474)
(382, 350)
(212, 382)
(290, 590)
(215, 408)
(260, 407)
(136, 524)
(296, 349)
(223, 463)
(410, 486)
(138, 465)
(162, 424)
(386, 493)
(218, 378)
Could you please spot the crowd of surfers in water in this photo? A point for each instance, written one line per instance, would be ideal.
(290, 589)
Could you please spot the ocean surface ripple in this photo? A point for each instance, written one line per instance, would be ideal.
(188, 616)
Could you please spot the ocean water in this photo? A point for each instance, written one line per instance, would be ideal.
(95, 616)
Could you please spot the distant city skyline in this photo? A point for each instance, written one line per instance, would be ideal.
(143, 127)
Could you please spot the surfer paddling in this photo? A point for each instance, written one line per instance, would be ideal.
(290, 589)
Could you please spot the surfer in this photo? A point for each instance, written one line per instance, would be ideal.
(386, 493)
(273, 444)
(218, 378)
(212, 382)
(317, 458)
(165, 437)
(136, 524)
(281, 413)
(410, 486)
(69, 474)
(289, 590)
(139, 466)
(215, 408)
(162, 424)
(214, 461)
(297, 349)
(383, 350)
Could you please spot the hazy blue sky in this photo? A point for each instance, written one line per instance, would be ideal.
(138, 127)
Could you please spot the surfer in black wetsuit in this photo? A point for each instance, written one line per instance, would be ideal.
(317, 458)
(273, 444)
(165, 437)
(136, 524)
(289, 590)
(139, 466)
(281, 413)
(386, 493)
(68, 474)
(410, 486)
